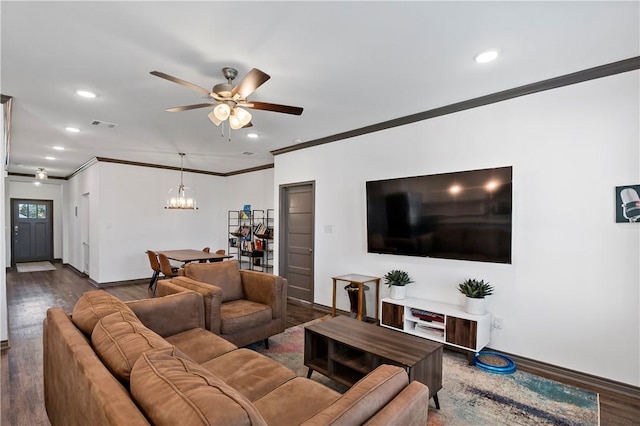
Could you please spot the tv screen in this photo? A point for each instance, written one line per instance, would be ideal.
(462, 215)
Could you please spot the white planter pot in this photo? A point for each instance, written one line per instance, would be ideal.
(397, 292)
(475, 306)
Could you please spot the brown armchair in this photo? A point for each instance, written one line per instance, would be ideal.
(241, 306)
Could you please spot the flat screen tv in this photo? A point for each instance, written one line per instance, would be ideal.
(462, 215)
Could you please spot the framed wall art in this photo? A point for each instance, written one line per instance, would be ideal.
(628, 204)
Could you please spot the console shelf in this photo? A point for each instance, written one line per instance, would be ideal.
(440, 322)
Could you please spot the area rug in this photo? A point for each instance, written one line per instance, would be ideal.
(470, 396)
(35, 267)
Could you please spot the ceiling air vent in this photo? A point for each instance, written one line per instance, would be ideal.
(247, 153)
(104, 124)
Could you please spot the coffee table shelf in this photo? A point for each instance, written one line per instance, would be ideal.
(346, 350)
(355, 360)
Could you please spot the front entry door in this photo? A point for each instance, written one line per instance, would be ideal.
(296, 236)
(31, 230)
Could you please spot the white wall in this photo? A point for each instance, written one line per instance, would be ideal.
(127, 215)
(255, 188)
(571, 296)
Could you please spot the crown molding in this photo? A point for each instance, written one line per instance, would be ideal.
(601, 71)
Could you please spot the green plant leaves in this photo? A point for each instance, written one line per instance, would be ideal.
(475, 289)
(397, 277)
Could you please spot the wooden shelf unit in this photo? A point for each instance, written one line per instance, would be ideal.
(254, 250)
(450, 324)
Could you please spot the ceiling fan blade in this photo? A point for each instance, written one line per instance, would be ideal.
(250, 82)
(180, 81)
(275, 107)
(188, 107)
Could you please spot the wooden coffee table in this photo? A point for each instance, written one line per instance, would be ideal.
(345, 350)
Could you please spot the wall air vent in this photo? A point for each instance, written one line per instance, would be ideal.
(104, 124)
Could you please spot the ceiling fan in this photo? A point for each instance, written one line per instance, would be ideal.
(229, 101)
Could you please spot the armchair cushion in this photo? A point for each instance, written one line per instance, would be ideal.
(239, 315)
(225, 275)
(264, 288)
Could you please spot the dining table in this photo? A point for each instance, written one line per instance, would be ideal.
(192, 255)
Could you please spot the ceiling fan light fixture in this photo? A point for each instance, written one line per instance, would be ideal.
(234, 122)
(243, 115)
(213, 118)
(222, 111)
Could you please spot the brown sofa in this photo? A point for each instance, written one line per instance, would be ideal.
(240, 305)
(151, 362)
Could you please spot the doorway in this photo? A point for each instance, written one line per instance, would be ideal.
(297, 213)
(31, 230)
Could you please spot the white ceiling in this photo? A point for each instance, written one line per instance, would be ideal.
(349, 64)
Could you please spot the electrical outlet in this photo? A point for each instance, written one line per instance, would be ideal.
(497, 322)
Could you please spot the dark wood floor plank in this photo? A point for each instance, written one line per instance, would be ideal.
(30, 294)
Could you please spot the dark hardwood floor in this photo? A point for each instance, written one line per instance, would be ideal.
(29, 295)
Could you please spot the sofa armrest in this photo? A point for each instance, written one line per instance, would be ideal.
(268, 289)
(78, 388)
(365, 398)
(212, 298)
(409, 407)
(170, 314)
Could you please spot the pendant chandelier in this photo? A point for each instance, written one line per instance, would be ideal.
(184, 198)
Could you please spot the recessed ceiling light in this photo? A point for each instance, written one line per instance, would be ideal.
(72, 129)
(485, 57)
(58, 148)
(50, 158)
(252, 135)
(36, 183)
(86, 94)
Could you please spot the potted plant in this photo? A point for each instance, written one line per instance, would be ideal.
(475, 292)
(396, 280)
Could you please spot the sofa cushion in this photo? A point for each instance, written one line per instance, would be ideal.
(200, 345)
(120, 338)
(225, 275)
(94, 305)
(238, 315)
(173, 390)
(295, 401)
(250, 373)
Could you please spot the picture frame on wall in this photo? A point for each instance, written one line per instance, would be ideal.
(628, 204)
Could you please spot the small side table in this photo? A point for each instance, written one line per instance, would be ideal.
(360, 281)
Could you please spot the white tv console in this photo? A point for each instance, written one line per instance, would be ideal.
(440, 322)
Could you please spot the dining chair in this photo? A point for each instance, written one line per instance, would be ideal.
(168, 270)
(155, 266)
(206, 250)
(219, 251)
